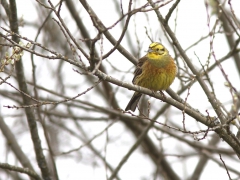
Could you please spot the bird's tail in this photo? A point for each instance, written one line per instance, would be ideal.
(133, 102)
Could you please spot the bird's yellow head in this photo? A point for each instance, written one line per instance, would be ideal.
(157, 49)
(158, 54)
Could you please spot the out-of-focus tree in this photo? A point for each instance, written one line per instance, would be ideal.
(65, 74)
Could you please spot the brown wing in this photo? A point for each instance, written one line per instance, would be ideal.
(138, 70)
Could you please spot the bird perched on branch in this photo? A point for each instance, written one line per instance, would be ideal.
(155, 71)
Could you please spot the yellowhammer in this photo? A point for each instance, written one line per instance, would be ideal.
(155, 71)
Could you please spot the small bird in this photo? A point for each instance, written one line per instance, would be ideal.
(155, 71)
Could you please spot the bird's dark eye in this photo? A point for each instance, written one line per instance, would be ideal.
(157, 49)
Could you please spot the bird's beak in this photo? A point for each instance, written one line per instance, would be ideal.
(150, 50)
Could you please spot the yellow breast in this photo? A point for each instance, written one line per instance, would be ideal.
(157, 78)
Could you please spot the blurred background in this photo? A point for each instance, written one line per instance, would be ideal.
(61, 119)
